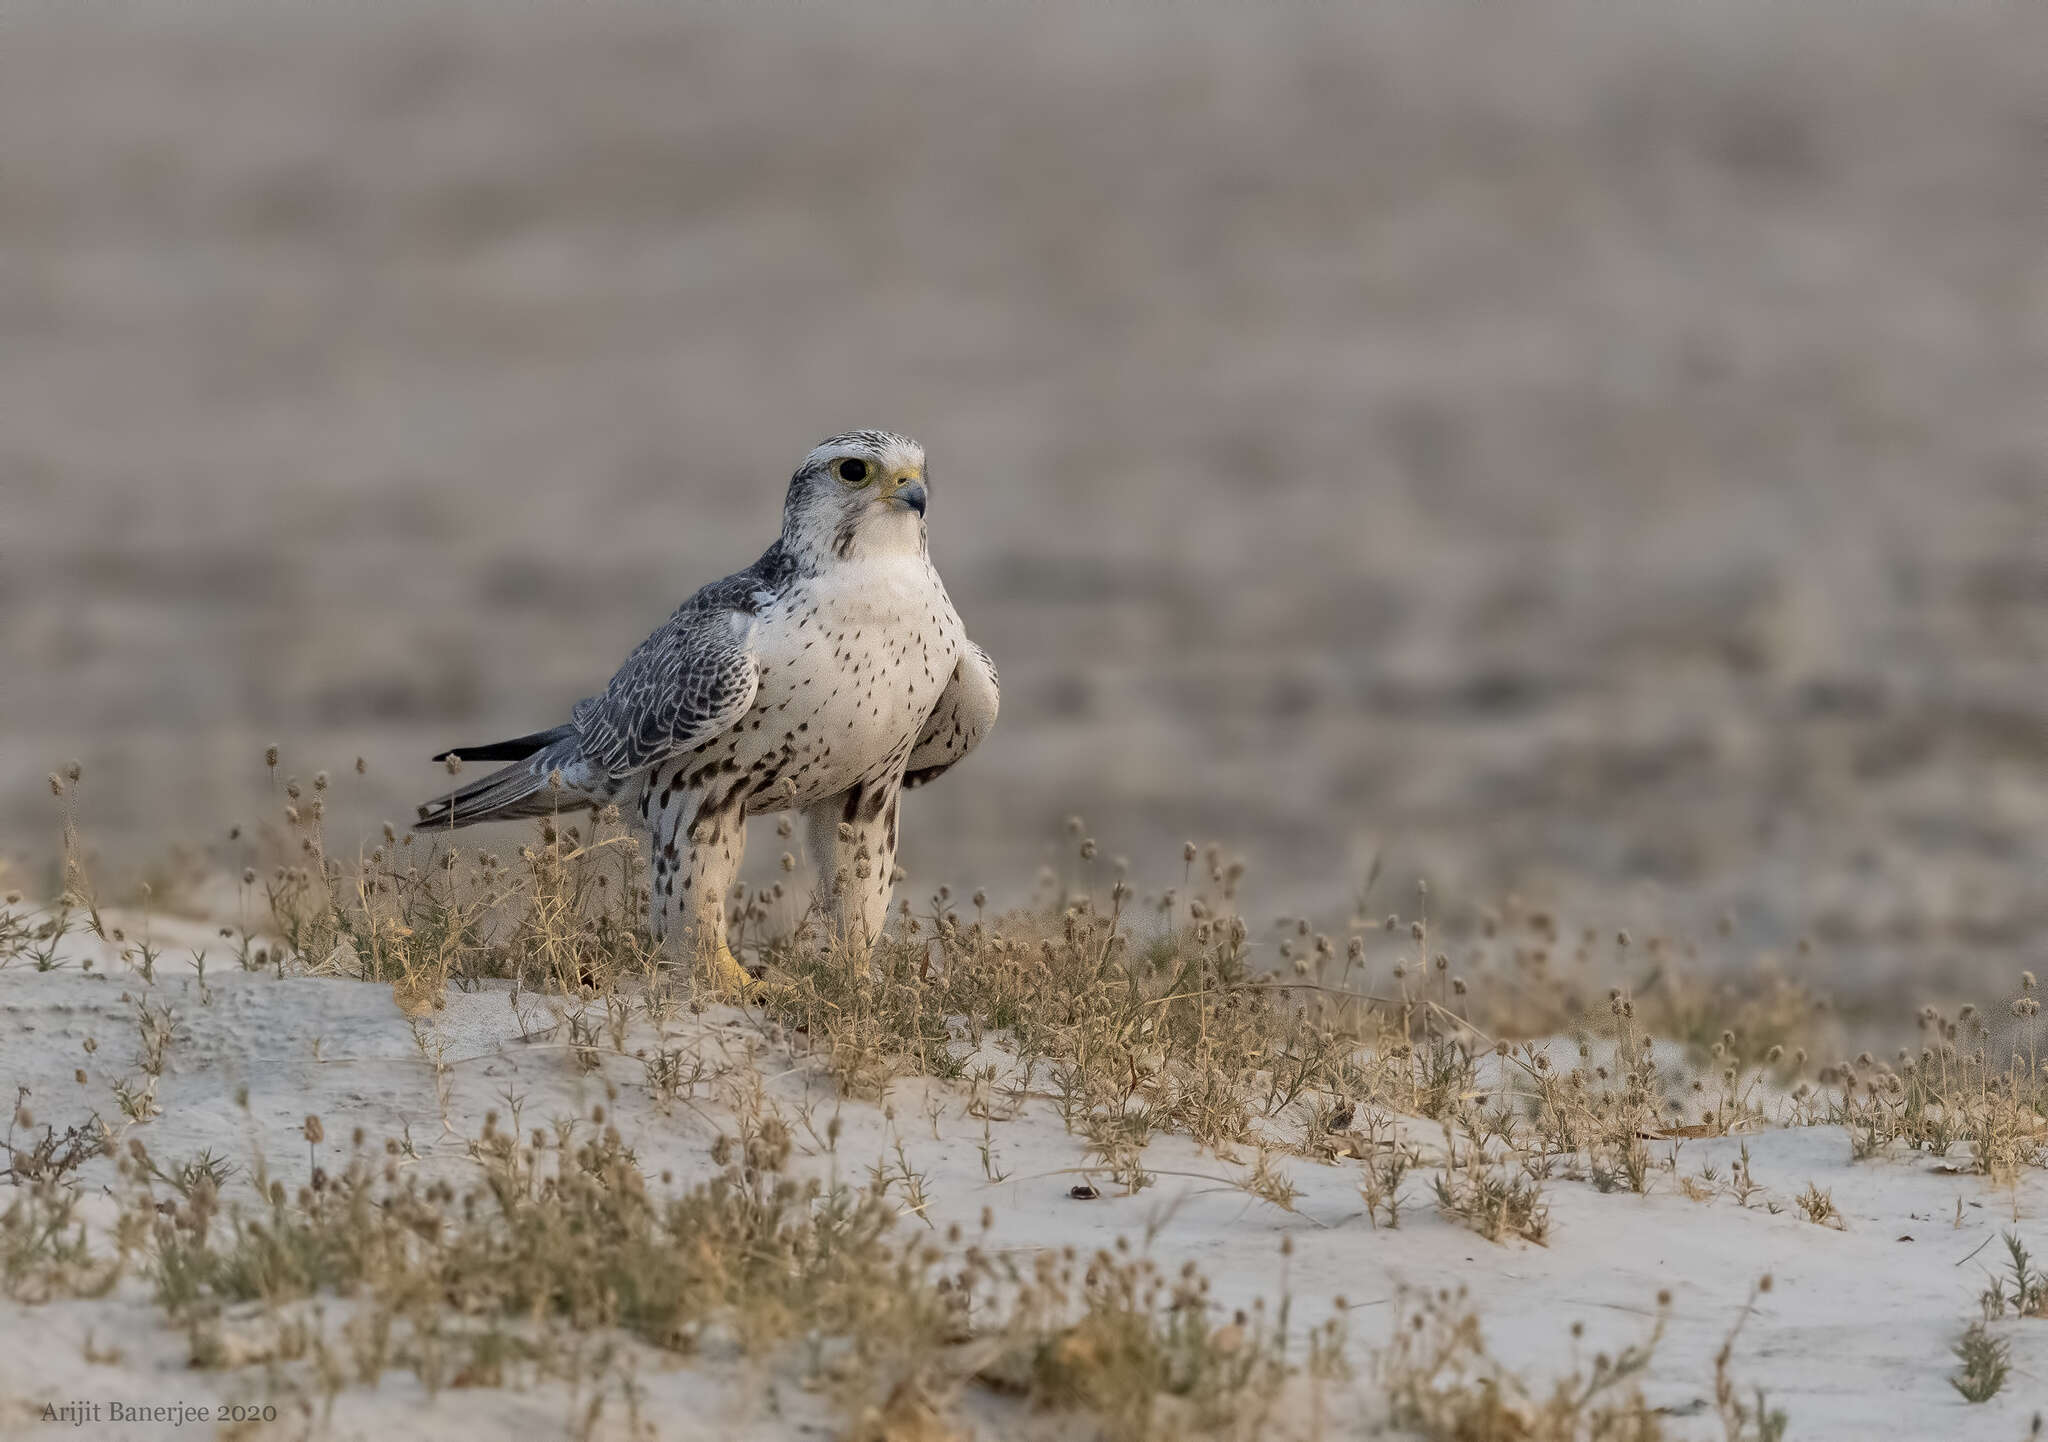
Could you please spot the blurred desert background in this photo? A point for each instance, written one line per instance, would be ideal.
(1593, 452)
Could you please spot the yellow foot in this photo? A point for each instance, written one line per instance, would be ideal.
(728, 975)
(735, 984)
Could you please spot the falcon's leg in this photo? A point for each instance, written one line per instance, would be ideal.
(853, 845)
(698, 841)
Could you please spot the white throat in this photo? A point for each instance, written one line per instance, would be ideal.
(890, 530)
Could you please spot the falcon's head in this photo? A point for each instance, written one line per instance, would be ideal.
(858, 493)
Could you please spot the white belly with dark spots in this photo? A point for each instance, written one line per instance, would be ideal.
(852, 663)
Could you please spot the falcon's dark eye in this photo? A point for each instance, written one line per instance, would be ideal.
(854, 472)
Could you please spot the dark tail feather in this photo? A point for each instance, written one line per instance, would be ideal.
(517, 749)
(524, 790)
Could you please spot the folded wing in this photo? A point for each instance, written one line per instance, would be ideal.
(966, 712)
(684, 685)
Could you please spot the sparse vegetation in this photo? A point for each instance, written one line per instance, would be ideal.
(563, 1225)
(1373, 1055)
(1442, 1384)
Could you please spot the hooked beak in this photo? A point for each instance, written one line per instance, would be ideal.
(911, 495)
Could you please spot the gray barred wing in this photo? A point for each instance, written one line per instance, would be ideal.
(684, 685)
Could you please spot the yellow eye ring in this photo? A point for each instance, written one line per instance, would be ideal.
(854, 472)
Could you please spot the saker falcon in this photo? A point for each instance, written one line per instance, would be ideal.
(824, 678)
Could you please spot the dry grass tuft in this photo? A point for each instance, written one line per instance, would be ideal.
(1442, 1384)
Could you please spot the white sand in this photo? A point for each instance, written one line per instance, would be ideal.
(1853, 1341)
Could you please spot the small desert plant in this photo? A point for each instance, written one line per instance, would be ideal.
(44, 1252)
(2028, 1296)
(1119, 1340)
(1744, 1418)
(1818, 1207)
(1742, 1182)
(1490, 1197)
(49, 1157)
(156, 1027)
(1985, 1361)
(1441, 1383)
(1379, 1183)
(1954, 1091)
(36, 936)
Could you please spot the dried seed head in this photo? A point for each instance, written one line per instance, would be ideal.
(270, 756)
